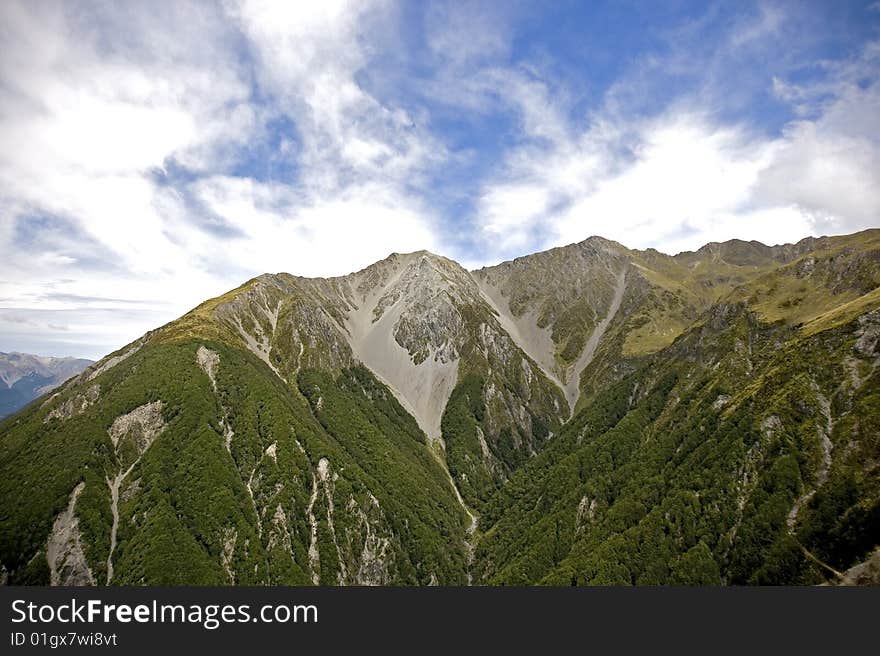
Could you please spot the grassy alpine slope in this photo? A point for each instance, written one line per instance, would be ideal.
(609, 415)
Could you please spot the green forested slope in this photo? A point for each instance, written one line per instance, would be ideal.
(688, 470)
(192, 511)
(725, 428)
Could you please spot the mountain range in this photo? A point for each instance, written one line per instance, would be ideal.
(590, 414)
(25, 377)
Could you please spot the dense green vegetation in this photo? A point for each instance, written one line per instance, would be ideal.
(686, 471)
(187, 498)
(727, 432)
(471, 468)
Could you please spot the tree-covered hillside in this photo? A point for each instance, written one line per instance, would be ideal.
(744, 453)
(587, 415)
(230, 480)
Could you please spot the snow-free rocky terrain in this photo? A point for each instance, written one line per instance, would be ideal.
(25, 377)
(590, 414)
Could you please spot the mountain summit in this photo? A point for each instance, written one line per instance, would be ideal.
(588, 414)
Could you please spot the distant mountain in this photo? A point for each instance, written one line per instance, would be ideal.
(591, 414)
(25, 377)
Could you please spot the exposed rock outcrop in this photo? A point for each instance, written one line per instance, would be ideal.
(64, 548)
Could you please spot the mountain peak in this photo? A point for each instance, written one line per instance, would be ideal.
(301, 399)
(597, 240)
(419, 253)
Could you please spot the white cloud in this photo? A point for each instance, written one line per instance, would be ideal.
(683, 183)
(509, 212)
(98, 105)
(684, 178)
(830, 166)
(461, 33)
(325, 238)
(685, 174)
(84, 126)
(131, 135)
(310, 55)
(767, 24)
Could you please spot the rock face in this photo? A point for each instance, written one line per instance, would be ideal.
(414, 422)
(410, 319)
(64, 549)
(75, 405)
(553, 301)
(420, 323)
(406, 324)
(140, 426)
(866, 573)
(576, 315)
(131, 434)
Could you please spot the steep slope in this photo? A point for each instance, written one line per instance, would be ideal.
(743, 453)
(603, 503)
(552, 302)
(248, 438)
(25, 377)
(588, 414)
(403, 325)
(201, 460)
(558, 304)
(195, 463)
(828, 273)
(420, 324)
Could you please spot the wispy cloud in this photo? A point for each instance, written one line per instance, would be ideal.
(124, 135)
(686, 171)
(146, 144)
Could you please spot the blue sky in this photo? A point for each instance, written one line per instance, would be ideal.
(156, 154)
